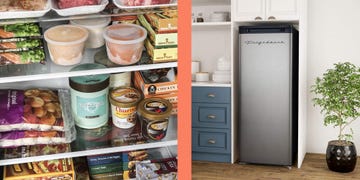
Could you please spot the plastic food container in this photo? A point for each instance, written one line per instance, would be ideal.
(124, 43)
(124, 101)
(96, 28)
(89, 97)
(154, 115)
(66, 44)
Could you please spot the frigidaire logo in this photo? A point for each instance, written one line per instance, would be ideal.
(264, 42)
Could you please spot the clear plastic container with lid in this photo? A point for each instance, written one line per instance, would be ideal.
(124, 101)
(154, 115)
(89, 97)
(66, 44)
(124, 43)
(96, 27)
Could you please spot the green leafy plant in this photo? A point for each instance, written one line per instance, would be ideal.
(339, 97)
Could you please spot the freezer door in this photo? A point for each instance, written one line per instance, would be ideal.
(265, 103)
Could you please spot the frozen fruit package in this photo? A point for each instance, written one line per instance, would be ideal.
(27, 138)
(35, 109)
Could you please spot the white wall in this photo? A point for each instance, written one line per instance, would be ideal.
(333, 36)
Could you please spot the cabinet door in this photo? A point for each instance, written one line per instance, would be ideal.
(249, 10)
(282, 10)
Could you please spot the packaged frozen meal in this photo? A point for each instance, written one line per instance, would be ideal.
(62, 169)
(34, 109)
(26, 138)
(19, 44)
(20, 30)
(22, 57)
(164, 169)
(36, 150)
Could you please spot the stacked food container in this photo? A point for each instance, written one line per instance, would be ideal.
(161, 43)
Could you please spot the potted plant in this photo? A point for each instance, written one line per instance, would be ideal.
(338, 93)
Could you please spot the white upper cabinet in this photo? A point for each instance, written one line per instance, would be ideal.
(263, 10)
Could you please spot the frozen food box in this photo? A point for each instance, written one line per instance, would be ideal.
(20, 30)
(158, 39)
(43, 170)
(156, 81)
(163, 22)
(22, 56)
(161, 55)
(18, 44)
(102, 159)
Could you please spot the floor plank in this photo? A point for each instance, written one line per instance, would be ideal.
(314, 168)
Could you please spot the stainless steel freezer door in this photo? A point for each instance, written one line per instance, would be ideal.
(265, 104)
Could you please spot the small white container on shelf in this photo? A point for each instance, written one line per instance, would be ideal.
(202, 77)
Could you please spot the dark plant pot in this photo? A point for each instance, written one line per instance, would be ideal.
(341, 156)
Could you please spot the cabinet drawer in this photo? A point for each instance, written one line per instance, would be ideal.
(211, 115)
(211, 94)
(213, 157)
(211, 140)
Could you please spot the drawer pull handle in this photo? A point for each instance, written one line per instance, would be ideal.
(271, 18)
(211, 95)
(211, 117)
(258, 18)
(211, 141)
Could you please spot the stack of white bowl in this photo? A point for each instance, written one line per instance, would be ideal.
(219, 16)
(223, 71)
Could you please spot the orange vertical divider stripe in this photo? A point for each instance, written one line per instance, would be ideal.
(184, 87)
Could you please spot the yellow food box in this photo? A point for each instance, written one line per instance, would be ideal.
(160, 55)
(158, 39)
(162, 23)
(42, 170)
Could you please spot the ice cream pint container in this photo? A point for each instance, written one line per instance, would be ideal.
(124, 101)
(89, 97)
(154, 114)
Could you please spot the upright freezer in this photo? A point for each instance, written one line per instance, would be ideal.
(268, 85)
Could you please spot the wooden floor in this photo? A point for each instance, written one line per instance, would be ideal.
(314, 167)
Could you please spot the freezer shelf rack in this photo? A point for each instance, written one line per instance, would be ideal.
(49, 70)
(169, 140)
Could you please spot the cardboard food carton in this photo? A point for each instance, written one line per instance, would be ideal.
(160, 55)
(50, 169)
(143, 83)
(162, 23)
(157, 39)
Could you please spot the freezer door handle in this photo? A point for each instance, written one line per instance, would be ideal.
(211, 95)
(211, 141)
(211, 116)
(271, 18)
